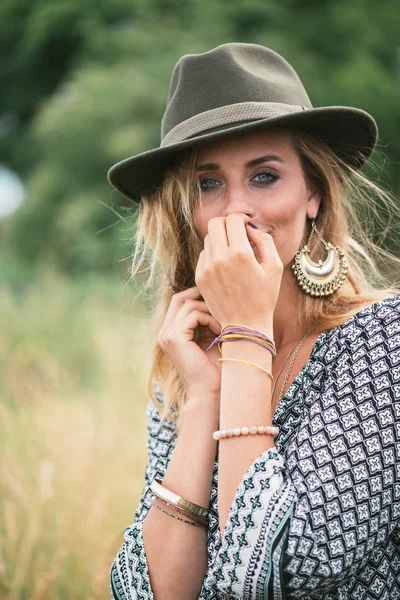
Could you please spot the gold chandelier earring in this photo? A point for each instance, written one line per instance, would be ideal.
(324, 277)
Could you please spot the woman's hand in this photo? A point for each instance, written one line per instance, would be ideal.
(187, 331)
(239, 273)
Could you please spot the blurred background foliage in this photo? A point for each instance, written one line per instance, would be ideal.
(83, 85)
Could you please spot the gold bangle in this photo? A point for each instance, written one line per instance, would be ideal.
(157, 501)
(159, 490)
(176, 517)
(182, 511)
(246, 362)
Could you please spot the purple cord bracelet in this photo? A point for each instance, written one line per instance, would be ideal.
(243, 333)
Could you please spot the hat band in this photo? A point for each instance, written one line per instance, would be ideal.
(225, 115)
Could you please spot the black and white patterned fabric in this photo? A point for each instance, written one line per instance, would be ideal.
(317, 516)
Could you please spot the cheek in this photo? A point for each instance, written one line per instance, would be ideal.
(201, 218)
(201, 226)
(288, 220)
(284, 212)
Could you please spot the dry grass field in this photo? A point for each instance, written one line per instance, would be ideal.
(73, 365)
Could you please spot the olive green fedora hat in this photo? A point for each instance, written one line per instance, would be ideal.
(237, 88)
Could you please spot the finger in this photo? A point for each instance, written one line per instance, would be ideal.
(199, 318)
(263, 243)
(177, 302)
(236, 231)
(256, 252)
(217, 235)
(204, 337)
(187, 328)
(200, 265)
(208, 252)
(190, 306)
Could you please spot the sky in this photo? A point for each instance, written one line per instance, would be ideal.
(12, 192)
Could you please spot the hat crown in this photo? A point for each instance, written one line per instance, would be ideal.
(233, 73)
(232, 90)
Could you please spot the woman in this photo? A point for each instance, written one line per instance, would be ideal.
(273, 461)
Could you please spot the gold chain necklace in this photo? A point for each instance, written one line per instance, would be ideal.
(295, 350)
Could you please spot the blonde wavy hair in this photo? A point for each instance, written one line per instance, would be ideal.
(354, 211)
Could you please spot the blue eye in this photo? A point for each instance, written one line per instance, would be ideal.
(208, 184)
(265, 177)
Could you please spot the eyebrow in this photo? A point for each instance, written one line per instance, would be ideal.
(251, 163)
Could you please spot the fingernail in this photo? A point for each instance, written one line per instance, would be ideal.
(252, 225)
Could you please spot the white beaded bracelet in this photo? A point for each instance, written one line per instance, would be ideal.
(236, 431)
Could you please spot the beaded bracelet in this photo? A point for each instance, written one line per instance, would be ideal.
(237, 431)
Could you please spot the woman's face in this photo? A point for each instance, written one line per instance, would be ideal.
(260, 175)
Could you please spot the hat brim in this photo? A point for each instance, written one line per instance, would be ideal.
(350, 132)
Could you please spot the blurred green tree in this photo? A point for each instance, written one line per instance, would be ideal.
(87, 85)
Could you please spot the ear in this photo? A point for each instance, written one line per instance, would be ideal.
(313, 204)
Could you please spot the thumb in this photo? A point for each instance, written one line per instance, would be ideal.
(261, 242)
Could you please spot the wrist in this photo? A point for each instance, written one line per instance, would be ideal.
(202, 405)
(245, 349)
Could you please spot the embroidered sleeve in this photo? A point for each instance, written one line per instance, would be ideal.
(319, 516)
(255, 530)
(129, 577)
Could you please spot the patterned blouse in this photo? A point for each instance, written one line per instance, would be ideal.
(317, 516)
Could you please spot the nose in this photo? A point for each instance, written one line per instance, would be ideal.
(237, 200)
